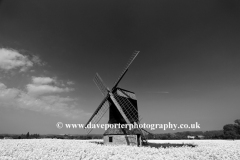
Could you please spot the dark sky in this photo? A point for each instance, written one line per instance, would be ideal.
(187, 70)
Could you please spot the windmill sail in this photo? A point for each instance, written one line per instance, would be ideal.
(101, 86)
(134, 55)
(99, 112)
(128, 108)
(119, 108)
(99, 115)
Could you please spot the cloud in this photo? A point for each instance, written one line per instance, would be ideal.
(43, 80)
(11, 59)
(41, 94)
(42, 89)
(2, 86)
(8, 93)
(52, 99)
(37, 60)
(45, 85)
(70, 82)
(50, 104)
(54, 105)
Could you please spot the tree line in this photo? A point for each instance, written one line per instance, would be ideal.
(232, 131)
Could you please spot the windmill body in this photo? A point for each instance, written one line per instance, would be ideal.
(123, 135)
(115, 116)
(123, 109)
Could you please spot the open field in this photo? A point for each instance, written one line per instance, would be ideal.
(47, 149)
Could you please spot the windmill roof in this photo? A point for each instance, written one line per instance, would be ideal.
(121, 131)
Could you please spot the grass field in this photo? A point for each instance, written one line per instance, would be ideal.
(48, 149)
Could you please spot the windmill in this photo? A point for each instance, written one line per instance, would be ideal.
(122, 106)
